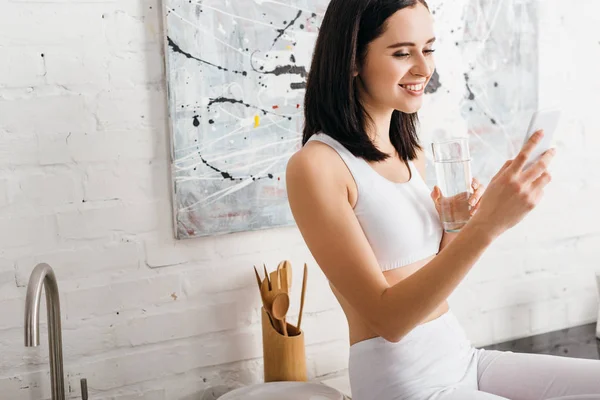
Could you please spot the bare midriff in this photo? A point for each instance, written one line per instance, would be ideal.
(358, 329)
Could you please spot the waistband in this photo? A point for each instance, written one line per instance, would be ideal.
(430, 326)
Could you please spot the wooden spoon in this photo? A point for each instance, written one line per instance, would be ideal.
(281, 304)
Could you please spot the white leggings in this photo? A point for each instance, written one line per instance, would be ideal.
(436, 361)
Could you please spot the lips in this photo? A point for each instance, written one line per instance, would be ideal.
(414, 87)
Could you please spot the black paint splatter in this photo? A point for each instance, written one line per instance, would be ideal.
(178, 49)
(471, 94)
(285, 69)
(298, 85)
(227, 175)
(226, 100)
(282, 31)
(434, 83)
(280, 70)
(196, 121)
(235, 101)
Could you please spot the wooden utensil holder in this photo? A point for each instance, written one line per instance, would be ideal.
(284, 356)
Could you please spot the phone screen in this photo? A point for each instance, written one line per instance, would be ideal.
(547, 120)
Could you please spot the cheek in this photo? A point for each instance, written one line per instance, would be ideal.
(431, 65)
(372, 76)
(388, 74)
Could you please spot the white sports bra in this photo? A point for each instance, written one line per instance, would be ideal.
(399, 219)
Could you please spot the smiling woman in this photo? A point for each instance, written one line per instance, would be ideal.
(376, 61)
(358, 195)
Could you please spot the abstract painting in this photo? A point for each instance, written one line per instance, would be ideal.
(236, 72)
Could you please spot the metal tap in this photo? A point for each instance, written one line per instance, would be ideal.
(43, 277)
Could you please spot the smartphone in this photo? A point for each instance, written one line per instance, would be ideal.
(547, 120)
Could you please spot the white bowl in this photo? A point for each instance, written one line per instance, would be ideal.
(284, 390)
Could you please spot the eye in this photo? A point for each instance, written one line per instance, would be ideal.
(429, 52)
(401, 55)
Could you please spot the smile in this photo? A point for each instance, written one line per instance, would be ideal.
(415, 90)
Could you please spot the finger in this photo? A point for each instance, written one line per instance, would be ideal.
(544, 179)
(475, 183)
(436, 193)
(461, 197)
(476, 196)
(540, 166)
(523, 156)
(504, 167)
(507, 164)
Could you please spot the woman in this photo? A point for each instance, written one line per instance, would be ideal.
(358, 196)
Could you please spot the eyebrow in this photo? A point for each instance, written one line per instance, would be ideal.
(408, 44)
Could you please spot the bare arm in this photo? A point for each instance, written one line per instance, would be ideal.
(318, 196)
(319, 200)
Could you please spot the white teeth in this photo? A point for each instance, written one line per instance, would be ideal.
(414, 88)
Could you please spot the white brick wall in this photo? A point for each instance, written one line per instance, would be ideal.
(84, 186)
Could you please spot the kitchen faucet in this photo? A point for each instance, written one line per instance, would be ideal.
(43, 277)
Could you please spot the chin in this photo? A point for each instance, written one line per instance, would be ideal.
(409, 108)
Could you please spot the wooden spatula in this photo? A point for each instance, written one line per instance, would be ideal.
(275, 281)
(281, 276)
(285, 273)
(265, 297)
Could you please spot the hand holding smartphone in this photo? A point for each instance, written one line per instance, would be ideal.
(546, 120)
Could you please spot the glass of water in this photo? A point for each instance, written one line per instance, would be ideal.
(453, 173)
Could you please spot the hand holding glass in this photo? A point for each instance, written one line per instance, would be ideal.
(453, 173)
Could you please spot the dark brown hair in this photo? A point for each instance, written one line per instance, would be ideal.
(331, 103)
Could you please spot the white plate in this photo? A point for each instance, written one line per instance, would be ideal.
(284, 390)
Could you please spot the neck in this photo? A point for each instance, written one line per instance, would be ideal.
(379, 129)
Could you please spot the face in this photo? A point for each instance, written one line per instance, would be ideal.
(399, 63)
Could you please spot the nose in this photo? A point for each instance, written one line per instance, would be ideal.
(422, 66)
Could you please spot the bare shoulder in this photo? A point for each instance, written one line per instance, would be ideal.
(316, 164)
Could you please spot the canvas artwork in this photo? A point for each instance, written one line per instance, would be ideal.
(236, 72)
